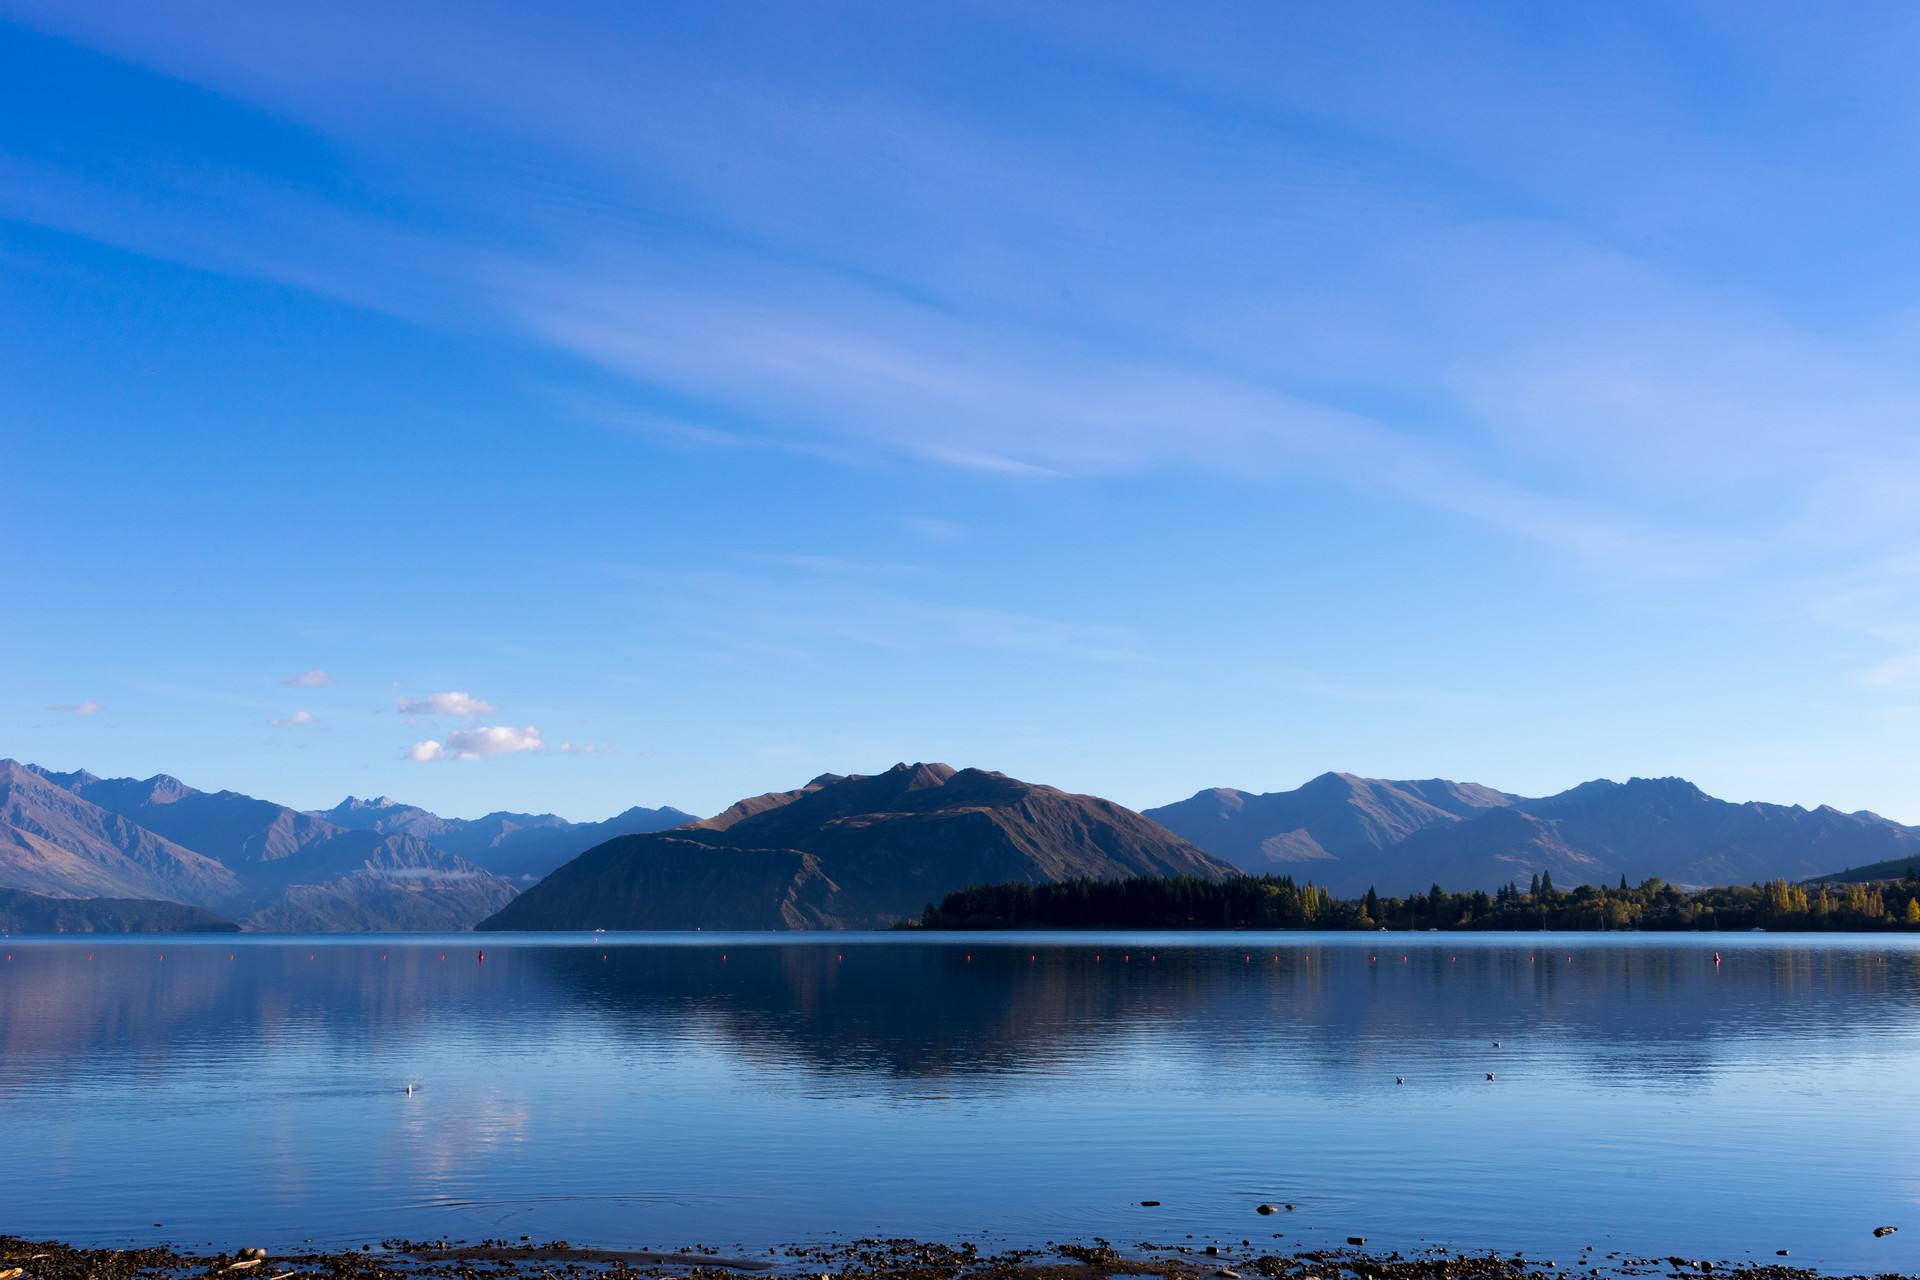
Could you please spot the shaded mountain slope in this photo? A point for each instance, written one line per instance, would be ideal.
(852, 852)
(238, 830)
(60, 844)
(1350, 834)
(753, 806)
(1907, 868)
(22, 912)
(517, 846)
(1669, 827)
(74, 834)
(1601, 831)
(1334, 818)
(672, 882)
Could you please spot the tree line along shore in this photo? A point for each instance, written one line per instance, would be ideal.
(1280, 902)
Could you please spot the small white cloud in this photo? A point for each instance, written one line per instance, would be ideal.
(493, 740)
(75, 708)
(584, 749)
(478, 743)
(452, 703)
(309, 679)
(293, 721)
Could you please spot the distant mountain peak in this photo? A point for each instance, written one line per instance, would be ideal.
(921, 774)
(71, 781)
(1334, 780)
(355, 803)
(1669, 785)
(164, 788)
(1668, 790)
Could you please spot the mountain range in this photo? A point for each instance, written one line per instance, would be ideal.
(77, 835)
(1351, 834)
(850, 853)
(518, 846)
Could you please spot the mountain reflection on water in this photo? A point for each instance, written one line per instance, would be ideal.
(660, 1091)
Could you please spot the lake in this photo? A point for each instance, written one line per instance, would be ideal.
(658, 1091)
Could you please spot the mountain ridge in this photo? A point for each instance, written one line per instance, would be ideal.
(844, 850)
(851, 851)
(1351, 834)
(520, 847)
(158, 839)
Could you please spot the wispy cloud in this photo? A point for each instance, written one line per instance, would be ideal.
(1021, 633)
(294, 721)
(451, 703)
(1900, 672)
(973, 460)
(75, 708)
(921, 356)
(936, 530)
(835, 564)
(856, 609)
(309, 679)
(1016, 308)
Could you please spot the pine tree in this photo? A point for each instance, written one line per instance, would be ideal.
(1546, 884)
(1533, 889)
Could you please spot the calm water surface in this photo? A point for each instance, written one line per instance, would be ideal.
(661, 1090)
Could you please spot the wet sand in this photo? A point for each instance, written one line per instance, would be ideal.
(858, 1260)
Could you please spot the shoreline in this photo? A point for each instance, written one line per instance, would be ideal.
(871, 1259)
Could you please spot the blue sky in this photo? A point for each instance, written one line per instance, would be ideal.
(1130, 398)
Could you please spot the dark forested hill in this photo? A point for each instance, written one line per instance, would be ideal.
(852, 852)
(30, 913)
